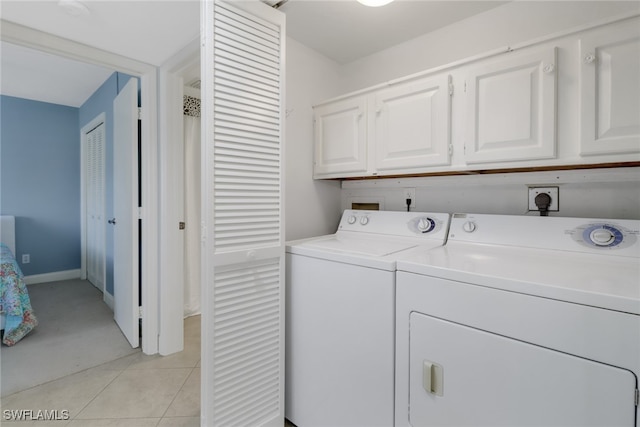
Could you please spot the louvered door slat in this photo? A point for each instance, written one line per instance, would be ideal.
(251, 104)
(259, 158)
(250, 146)
(232, 78)
(258, 79)
(243, 347)
(226, 65)
(268, 68)
(248, 35)
(247, 123)
(245, 32)
(251, 46)
(247, 23)
(259, 117)
(229, 135)
(223, 87)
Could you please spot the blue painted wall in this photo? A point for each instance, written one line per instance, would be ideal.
(39, 182)
(102, 102)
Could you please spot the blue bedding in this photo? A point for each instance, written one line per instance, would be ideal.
(14, 299)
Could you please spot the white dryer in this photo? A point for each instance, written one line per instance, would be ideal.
(340, 317)
(521, 321)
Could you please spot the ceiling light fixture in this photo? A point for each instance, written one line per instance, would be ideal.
(374, 3)
(74, 7)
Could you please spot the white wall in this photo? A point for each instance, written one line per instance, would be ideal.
(311, 206)
(507, 25)
(594, 193)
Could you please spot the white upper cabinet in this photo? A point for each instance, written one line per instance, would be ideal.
(572, 100)
(610, 91)
(411, 125)
(511, 109)
(341, 138)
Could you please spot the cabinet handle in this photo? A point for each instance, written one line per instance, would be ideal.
(433, 377)
(549, 68)
(589, 58)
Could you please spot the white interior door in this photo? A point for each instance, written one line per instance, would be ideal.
(125, 210)
(242, 214)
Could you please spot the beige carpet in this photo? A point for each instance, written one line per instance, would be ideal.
(76, 331)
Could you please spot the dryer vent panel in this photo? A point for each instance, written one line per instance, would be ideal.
(365, 206)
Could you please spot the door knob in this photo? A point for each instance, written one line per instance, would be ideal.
(112, 221)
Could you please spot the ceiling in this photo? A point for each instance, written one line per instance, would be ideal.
(346, 30)
(153, 31)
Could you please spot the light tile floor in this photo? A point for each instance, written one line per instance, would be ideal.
(134, 391)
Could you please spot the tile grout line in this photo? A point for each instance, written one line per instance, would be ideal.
(99, 393)
(178, 392)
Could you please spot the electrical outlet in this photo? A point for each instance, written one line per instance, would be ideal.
(410, 193)
(26, 258)
(553, 192)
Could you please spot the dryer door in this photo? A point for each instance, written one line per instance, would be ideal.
(465, 376)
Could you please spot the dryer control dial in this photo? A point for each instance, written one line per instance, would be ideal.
(469, 226)
(352, 219)
(364, 220)
(426, 224)
(603, 235)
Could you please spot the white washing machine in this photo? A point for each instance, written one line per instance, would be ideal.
(340, 322)
(521, 321)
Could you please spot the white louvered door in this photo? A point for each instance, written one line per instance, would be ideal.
(95, 194)
(243, 232)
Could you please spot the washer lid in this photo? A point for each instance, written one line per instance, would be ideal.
(589, 279)
(361, 245)
(365, 250)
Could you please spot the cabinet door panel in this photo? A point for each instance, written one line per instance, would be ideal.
(340, 137)
(610, 92)
(412, 125)
(512, 109)
(501, 381)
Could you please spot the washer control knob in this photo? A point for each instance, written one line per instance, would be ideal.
(602, 236)
(351, 219)
(469, 226)
(364, 220)
(426, 225)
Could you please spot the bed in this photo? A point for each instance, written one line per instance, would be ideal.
(16, 314)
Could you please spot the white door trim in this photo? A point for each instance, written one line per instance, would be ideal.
(171, 279)
(97, 121)
(28, 37)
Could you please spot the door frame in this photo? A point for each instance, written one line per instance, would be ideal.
(100, 119)
(34, 39)
(171, 278)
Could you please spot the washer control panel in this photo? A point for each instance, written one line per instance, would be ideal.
(396, 223)
(425, 224)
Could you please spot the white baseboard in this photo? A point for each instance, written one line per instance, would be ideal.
(108, 299)
(52, 277)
